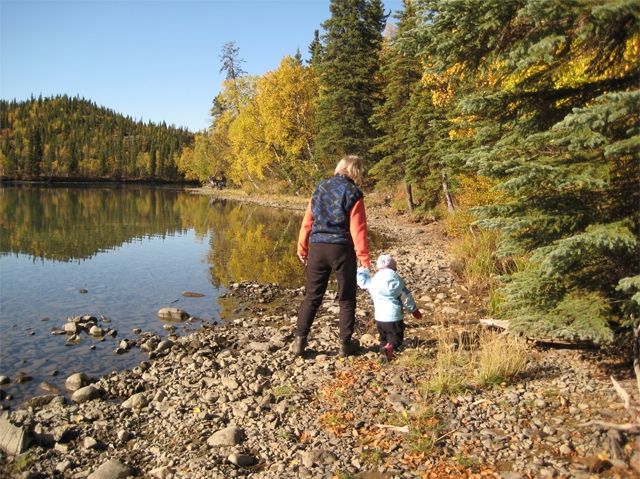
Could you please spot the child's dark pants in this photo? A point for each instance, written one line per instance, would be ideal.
(391, 332)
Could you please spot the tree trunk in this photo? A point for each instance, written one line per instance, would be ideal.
(445, 189)
(409, 197)
(246, 170)
(636, 354)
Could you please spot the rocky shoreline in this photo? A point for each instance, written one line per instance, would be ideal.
(232, 401)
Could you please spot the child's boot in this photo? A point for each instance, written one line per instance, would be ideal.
(383, 352)
(389, 351)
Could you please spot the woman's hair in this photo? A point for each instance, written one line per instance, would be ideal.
(351, 166)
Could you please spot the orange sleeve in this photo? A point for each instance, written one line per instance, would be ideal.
(358, 227)
(305, 232)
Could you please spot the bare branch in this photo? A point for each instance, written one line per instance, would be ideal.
(633, 428)
(622, 393)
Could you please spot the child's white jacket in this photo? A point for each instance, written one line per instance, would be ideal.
(388, 292)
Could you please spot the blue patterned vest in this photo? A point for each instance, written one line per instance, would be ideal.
(331, 206)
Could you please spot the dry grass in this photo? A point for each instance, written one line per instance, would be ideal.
(468, 356)
(499, 358)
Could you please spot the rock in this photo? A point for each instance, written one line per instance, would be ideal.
(61, 467)
(49, 436)
(22, 379)
(230, 436)
(111, 469)
(634, 462)
(242, 460)
(164, 345)
(138, 400)
(259, 346)
(317, 456)
(368, 340)
(173, 314)
(397, 402)
(49, 387)
(13, 439)
(90, 443)
(96, 331)
(450, 310)
(189, 294)
(72, 328)
(4, 380)
(230, 383)
(73, 340)
(39, 401)
(160, 472)
(565, 449)
(77, 381)
(85, 394)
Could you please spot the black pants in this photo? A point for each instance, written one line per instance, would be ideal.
(392, 332)
(324, 258)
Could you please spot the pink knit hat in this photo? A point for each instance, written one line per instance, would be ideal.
(386, 261)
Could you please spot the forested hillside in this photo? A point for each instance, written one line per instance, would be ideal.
(515, 121)
(73, 137)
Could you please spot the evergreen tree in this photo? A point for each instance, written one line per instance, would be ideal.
(35, 153)
(548, 97)
(74, 136)
(402, 72)
(315, 49)
(349, 78)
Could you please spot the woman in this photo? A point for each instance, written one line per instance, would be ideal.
(335, 225)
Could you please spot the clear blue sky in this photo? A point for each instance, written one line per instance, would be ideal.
(152, 60)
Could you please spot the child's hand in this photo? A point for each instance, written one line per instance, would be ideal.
(417, 314)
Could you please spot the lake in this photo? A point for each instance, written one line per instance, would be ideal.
(134, 250)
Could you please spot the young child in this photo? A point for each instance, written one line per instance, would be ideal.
(389, 295)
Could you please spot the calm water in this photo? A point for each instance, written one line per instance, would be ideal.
(135, 250)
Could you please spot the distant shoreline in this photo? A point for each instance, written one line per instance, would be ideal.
(41, 180)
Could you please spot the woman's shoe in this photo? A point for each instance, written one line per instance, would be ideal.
(347, 348)
(299, 344)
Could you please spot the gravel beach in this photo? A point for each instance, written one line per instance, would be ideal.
(231, 400)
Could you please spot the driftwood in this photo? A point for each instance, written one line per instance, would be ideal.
(403, 429)
(498, 323)
(631, 428)
(622, 393)
(636, 354)
(614, 441)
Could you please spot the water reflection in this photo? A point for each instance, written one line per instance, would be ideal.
(135, 250)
